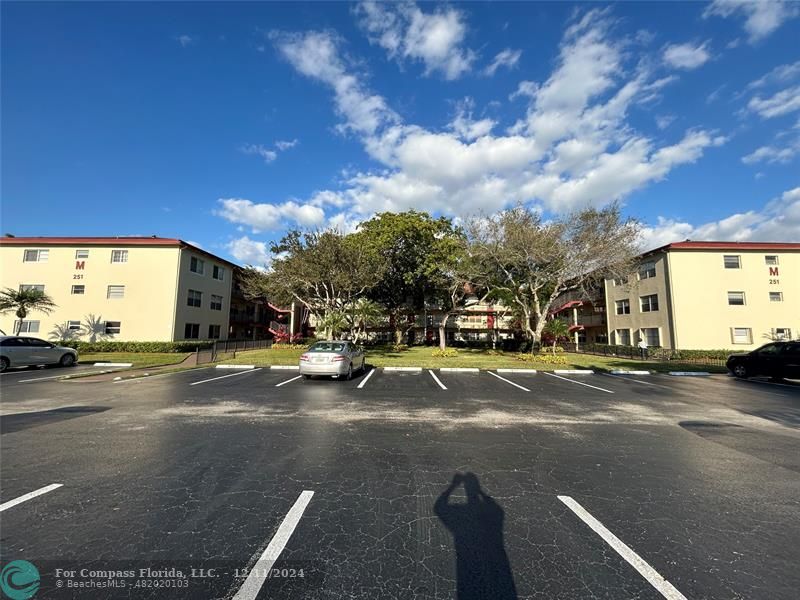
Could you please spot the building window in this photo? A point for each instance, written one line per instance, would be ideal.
(732, 261)
(649, 303)
(218, 272)
(81, 254)
(647, 270)
(623, 307)
(78, 290)
(213, 332)
(651, 336)
(776, 296)
(39, 287)
(115, 292)
(620, 281)
(771, 259)
(197, 266)
(782, 333)
(73, 325)
(623, 337)
(741, 335)
(736, 298)
(36, 256)
(191, 331)
(29, 327)
(119, 256)
(195, 298)
(216, 302)
(113, 327)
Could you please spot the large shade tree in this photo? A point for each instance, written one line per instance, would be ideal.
(24, 301)
(529, 261)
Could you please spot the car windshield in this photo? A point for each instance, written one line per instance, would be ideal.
(327, 347)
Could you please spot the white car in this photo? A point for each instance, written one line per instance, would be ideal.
(340, 359)
(18, 351)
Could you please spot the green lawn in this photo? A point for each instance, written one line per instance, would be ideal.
(421, 356)
(139, 359)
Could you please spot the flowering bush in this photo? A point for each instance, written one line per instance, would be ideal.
(446, 353)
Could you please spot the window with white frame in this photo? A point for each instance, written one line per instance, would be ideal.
(782, 333)
(216, 302)
(73, 325)
(771, 259)
(647, 270)
(78, 290)
(651, 336)
(732, 261)
(35, 255)
(113, 327)
(26, 287)
(29, 327)
(119, 256)
(218, 272)
(196, 265)
(195, 299)
(776, 296)
(213, 332)
(736, 298)
(649, 303)
(623, 337)
(741, 335)
(623, 307)
(81, 254)
(191, 331)
(115, 292)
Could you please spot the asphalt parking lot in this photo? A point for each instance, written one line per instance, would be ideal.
(397, 484)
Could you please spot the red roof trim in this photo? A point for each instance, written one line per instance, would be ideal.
(726, 246)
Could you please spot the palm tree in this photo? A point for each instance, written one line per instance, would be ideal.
(333, 322)
(23, 302)
(557, 328)
(363, 313)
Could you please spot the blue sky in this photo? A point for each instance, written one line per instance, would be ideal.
(227, 124)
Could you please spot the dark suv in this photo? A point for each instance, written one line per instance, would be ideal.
(776, 360)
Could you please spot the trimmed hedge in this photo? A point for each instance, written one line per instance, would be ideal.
(88, 347)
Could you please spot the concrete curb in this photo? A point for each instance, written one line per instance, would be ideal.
(414, 369)
(286, 367)
(574, 371)
(623, 372)
(235, 366)
(531, 371)
(112, 364)
(459, 369)
(689, 373)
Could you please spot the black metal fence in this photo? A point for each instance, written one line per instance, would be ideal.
(653, 353)
(225, 347)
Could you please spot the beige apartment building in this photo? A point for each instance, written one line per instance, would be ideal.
(119, 288)
(708, 295)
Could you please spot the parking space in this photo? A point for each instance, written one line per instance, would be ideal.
(409, 483)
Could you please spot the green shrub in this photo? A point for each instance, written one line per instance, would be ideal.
(399, 348)
(550, 359)
(446, 353)
(106, 346)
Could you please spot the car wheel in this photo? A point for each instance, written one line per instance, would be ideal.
(306, 376)
(740, 371)
(68, 360)
(349, 375)
(4, 364)
(363, 366)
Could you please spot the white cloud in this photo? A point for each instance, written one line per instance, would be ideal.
(249, 252)
(780, 74)
(507, 58)
(773, 153)
(762, 17)
(185, 40)
(664, 121)
(285, 144)
(781, 103)
(686, 56)
(407, 33)
(259, 150)
(525, 89)
(777, 221)
(468, 128)
(269, 217)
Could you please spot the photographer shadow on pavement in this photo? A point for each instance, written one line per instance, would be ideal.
(482, 567)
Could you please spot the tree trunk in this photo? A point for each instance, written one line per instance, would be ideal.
(398, 335)
(443, 332)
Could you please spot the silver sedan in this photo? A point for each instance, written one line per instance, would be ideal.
(339, 359)
(18, 351)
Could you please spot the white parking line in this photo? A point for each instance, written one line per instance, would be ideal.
(508, 381)
(287, 381)
(224, 376)
(594, 387)
(436, 379)
(262, 564)
(637, 562)
(632, 379)
(29, 495)
(364, 381)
